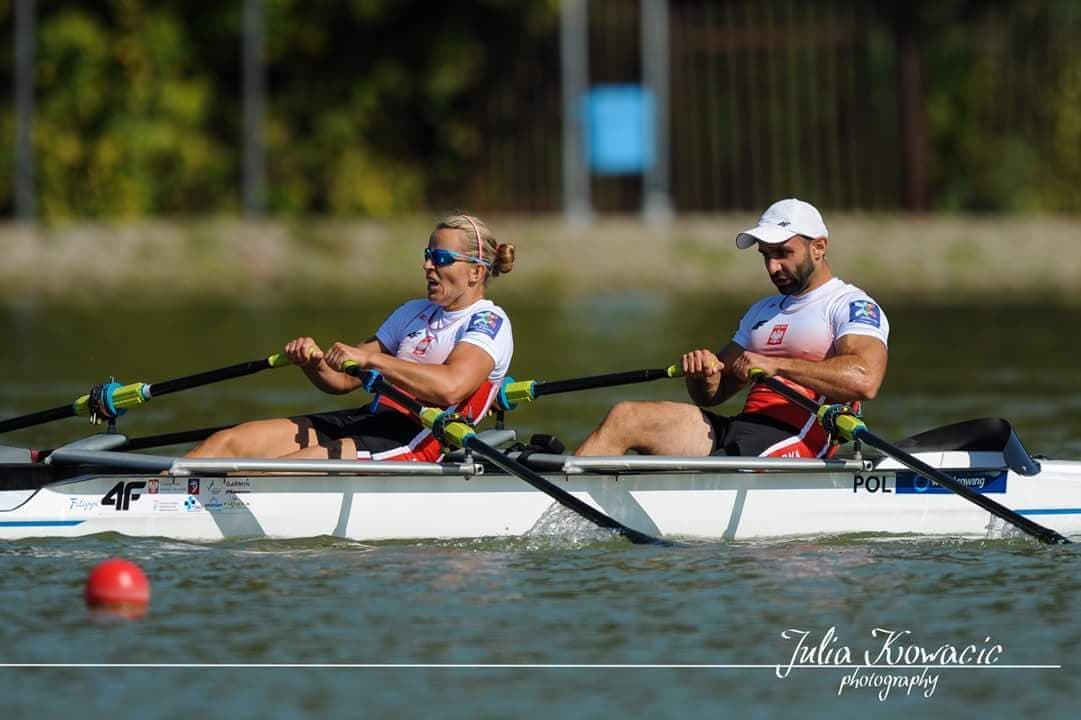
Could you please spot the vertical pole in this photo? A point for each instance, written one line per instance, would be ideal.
(910, 98)
(24, 110)
(254, 109)
(574, 69)
(657, 201)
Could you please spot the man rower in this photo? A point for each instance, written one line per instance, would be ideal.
(819, 335)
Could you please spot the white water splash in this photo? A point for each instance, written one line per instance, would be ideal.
(558, 521)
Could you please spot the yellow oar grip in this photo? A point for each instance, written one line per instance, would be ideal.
(127, 396)
(454, 433)
(518, 391)
(846, 425)
(122, 397)
(674, 371)
(82, 406)
(278, 360)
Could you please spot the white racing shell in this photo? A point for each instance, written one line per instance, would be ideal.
(708, 498)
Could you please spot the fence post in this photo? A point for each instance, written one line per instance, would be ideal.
(254, 180)
(24, 110)
(656, 201)
(913, 119)
(574, 71)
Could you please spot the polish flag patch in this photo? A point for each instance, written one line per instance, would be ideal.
(776, 335)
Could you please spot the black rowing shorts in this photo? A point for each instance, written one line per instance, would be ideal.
(374, 433)
(746, 435)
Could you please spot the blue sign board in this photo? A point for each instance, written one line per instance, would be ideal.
(619, 129)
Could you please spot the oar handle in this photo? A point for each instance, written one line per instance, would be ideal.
(446, 426)
(515, 391)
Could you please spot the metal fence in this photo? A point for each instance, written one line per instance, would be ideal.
(866, 106)
(861, 106)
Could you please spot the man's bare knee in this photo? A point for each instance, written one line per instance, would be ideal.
(624, 414)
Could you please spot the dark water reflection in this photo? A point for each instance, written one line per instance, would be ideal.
(947, 363)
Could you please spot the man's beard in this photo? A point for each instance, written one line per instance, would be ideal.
(801, 278)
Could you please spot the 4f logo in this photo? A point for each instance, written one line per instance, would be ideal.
(123, 493)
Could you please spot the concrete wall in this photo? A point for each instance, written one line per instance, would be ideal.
(888, 255)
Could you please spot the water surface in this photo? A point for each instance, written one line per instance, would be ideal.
(503, 606)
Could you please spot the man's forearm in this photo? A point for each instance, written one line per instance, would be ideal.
(846, 378)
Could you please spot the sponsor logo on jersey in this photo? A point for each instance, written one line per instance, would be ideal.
(866, 312)
(485, 322)
(776, 335)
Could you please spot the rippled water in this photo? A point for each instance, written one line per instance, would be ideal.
(577, 598)
(536, 601)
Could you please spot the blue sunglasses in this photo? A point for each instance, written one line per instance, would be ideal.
(442, 258)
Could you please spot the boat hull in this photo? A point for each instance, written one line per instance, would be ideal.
(734, 505)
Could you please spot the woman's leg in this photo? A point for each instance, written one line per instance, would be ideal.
(261, 438)
(327, 449)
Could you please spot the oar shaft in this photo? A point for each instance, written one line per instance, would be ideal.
(516, 391)
(460, 434)
(212, 376)
(174, 438)
(553, 387)
(852, 427)
(116, 397)
(1034, 529)
(38, 418)
(560, 495)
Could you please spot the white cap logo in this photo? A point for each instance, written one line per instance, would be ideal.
(781, 221)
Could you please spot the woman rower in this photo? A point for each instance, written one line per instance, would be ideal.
(449, 350)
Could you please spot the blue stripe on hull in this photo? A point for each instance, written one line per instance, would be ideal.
(40, 523)
(1051, 511)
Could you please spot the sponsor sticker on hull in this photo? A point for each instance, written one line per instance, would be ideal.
(982, 481)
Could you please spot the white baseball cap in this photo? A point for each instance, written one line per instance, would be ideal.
(781, 221)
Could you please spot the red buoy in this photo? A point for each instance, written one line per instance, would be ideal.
(117, 584)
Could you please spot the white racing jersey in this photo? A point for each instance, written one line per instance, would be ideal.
(805, 327)
(424, 332)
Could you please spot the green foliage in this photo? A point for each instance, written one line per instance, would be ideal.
(1004, 106)
(122, 125)
(382, 107)
(372, 103)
